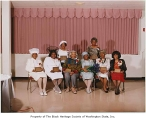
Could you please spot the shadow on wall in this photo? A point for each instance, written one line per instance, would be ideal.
(84, 45)
(44, 48)
(110, 46)
(76, 48)
(80, 48)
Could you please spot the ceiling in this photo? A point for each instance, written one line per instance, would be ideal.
(123, 4)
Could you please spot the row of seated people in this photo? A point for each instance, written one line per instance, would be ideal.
(71, 68)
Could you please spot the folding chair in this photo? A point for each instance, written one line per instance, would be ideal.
(110, 82)
(29, 86)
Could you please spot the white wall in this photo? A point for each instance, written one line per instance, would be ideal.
(6, 37)
(135, 63)
(0, 35)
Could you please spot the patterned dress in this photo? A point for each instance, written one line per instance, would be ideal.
(103, 63)
(93, 51)
(73, 64)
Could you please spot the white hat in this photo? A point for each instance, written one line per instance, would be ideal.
(63, 41)
(84, 53)
(34, 50)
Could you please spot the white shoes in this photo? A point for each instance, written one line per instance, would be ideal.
(43, 93)
(88, 90)
(57, 89)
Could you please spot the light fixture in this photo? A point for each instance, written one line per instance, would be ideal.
(79, 3)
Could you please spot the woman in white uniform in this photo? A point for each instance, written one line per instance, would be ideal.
(56, 76)
(87, 75)
(62, 51)
(104, 64)
(37, 76)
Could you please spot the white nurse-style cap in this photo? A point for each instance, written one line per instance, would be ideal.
(34, 50)
(63, 41)
(84, 53)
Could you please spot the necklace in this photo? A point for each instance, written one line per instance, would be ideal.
(102, 60)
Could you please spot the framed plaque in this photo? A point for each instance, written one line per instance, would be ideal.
(117, 70)
(86, 67)
(63, 57)
(38, 69)
(55, 69)
(68, 70)
(103, 68)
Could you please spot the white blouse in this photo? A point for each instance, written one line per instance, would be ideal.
(32, 63)
(103, 62)
(62, 53)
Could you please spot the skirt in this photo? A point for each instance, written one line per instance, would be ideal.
(37, 75)
(102, 75)
(87, 75)
(55, 75)
(118, 76)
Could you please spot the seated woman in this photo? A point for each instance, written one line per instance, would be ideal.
(37, 75)
(104, 64)
(62, 52)
(86, 74)
(118, 70)
(53, 69)
(71, 68)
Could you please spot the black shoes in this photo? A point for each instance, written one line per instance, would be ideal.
(107, 89)
(117, 91)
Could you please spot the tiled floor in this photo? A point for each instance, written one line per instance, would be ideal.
(132, 100)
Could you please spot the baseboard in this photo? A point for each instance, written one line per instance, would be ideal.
(135, 78)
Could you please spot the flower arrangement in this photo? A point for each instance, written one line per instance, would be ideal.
(119, 63)
(94, 68)
(77, 60)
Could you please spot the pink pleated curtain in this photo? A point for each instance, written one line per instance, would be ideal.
(115, 29)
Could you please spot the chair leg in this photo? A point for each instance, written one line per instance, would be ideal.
(109, 83)
(28, 85)
(31, 88)
(123, 87)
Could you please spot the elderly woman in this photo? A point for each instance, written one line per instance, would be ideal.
(62, 52)
(36, 71)
(93, 50)
(53, 69)
(86, 74)
(118, 70)
(104, 64)
(71, 67)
